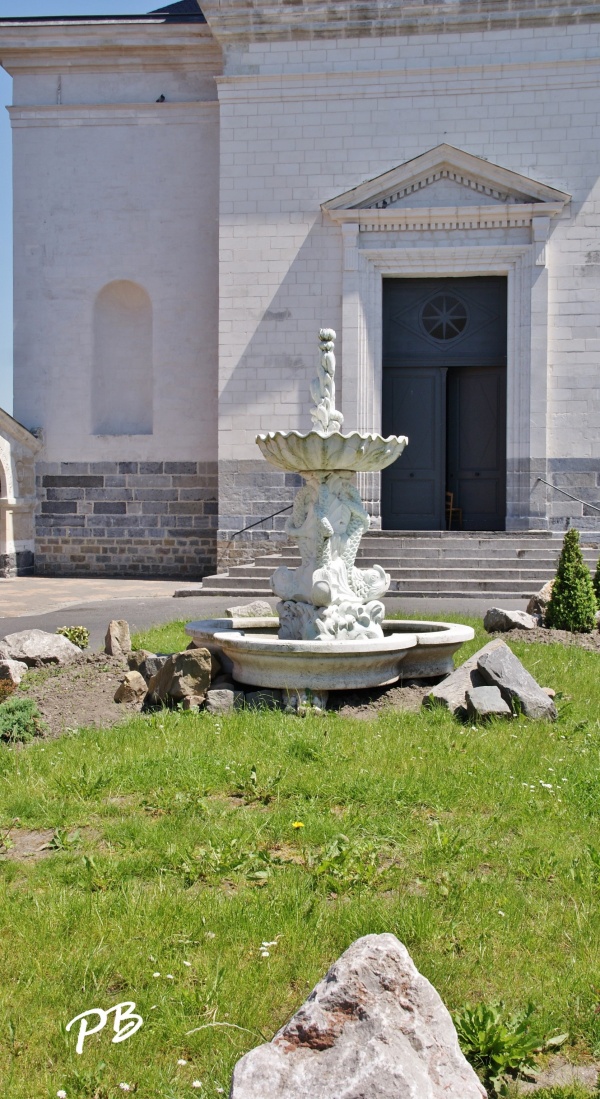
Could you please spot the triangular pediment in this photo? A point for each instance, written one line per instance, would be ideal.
(445, 177)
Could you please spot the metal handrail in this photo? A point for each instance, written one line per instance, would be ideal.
(259, 521)
(569, 494)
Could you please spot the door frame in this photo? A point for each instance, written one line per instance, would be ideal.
(523, 264)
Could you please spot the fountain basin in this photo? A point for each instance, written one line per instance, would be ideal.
(314, 452)
(251, 651)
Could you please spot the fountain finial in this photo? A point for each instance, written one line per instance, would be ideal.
(325, 415)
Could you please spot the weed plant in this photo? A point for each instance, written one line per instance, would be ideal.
(77, 635)
(211, 869)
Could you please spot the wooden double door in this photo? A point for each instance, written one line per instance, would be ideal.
(444, 386)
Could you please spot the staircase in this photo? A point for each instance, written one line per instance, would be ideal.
(433, 564)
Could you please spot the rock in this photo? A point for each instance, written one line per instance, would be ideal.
(183, 676)
(118, 640)
(486, 702)
(499, 621)
(132, 688)
(258, 609)
(452, 691)
(538, 602)
(215, 664)
(549, 691)
(13, 670)
(36, 647)
(223, 701)
(373, 1028)
(266, 698)
(146, 663)
(501, 668)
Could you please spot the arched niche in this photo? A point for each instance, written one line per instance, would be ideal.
(122, 374)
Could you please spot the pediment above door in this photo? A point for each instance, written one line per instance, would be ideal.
(446, 188)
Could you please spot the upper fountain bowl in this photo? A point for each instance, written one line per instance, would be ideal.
(359, 452)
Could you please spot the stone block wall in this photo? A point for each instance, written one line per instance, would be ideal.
(150, 519)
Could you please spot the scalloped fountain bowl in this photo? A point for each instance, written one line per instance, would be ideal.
(360, 452)
(251, 651)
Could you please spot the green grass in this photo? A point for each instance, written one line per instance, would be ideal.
(477, 847)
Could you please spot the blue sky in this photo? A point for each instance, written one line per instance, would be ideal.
(22, 8)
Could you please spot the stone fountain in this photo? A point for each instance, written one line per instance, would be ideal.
(330, 633)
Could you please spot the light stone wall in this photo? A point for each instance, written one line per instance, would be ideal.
(112, 188)
(302, 122)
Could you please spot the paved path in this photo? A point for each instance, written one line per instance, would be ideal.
(45, 603)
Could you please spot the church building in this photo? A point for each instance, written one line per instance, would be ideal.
(199, 190)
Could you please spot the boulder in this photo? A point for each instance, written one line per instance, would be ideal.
(183, 676)
(13, 671)
(257, 609)
(215, 664)
(223, 701)
(146, 663)
(373, 1027)
(485, 702)
(118, 640)
(132, 688)
(36, 647)
(452, 691)
(499, 621)
(501, 668)
(538, 602)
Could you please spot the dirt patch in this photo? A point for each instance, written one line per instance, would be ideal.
(561, 1073)
(590, 641)
(78, 695)
(25, 843)
(365, 704)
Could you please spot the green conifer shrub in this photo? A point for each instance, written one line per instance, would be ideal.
(597, 582)
(573, 603)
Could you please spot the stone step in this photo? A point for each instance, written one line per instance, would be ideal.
(545, 566)
(493, 593)
(499, 565)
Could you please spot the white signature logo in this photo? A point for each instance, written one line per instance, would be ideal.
(126, 1022)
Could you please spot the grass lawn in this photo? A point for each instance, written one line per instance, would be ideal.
(177, 854)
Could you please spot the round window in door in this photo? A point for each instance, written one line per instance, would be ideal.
(444, 317)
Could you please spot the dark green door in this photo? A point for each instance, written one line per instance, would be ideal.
(444, 385)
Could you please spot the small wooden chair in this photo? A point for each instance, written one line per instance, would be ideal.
(451, 510)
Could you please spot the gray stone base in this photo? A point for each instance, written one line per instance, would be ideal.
(150, 519)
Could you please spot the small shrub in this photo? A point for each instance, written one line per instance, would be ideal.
(20, 719)
(77, 635)
(495, 1042)
(572, 604)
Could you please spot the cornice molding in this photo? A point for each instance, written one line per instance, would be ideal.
(110, 114)
(92, 46)
(503, 216)
(237, 21)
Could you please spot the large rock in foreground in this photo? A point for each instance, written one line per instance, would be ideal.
(373, 1028)
(36, 647)
(452, 691)
(501, 668)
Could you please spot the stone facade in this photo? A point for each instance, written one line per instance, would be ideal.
(195, 196)
(18, 450)
(126, 519)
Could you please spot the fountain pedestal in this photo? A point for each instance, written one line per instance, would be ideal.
(328, 596)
